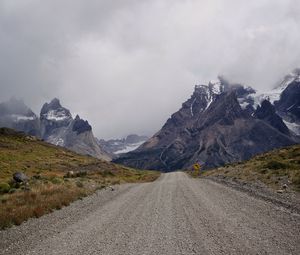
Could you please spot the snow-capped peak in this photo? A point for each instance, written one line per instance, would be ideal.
(274, 94)
(288, 79)
(53, 111)
(56, 115)
(207, 92)
(216, 87)
(201, 89)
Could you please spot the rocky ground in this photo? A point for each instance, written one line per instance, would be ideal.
(284, 197)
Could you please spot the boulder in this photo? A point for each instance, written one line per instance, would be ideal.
(20, 177)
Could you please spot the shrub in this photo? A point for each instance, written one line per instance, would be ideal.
(263, 171)
(4, 187)
(106, 173)
(81, 174)
(101, 187)
(13, 190)
(115, 182)
(275, 165)
(79, 184)
(56, 180)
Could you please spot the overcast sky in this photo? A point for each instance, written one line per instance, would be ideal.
(126, 65)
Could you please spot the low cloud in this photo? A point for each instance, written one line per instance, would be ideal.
(127, 65)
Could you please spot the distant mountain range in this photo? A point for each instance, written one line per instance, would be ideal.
(115, 147)
(54, 125)
(222, 123)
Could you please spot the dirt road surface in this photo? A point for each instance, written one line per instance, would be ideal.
(173, 215)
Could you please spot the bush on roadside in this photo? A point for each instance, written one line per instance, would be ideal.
(4, 187)
(56, 180)
(17, 207)
(13, 190)
(81, 174)
(79, 184)
(275, 165)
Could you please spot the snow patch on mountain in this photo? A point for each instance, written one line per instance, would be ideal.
(210, 91)
(215, 86)
(274, 94)
(209, 102)
(124, 145)
(243, 103)
(55, 115)
(129, 148)
(58, 141)
(191, 108)
(294, 127)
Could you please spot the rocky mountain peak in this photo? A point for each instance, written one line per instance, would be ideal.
(224, 110)
(266, 108)
(53, 105)
(80, 125)
(216, 87)
(220, 123)
(288, 105)
(203, 96)
(55, 126)
(267, 112)
(294, 76)
(53, 111)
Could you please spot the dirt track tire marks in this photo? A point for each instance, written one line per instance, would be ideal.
(173, 215)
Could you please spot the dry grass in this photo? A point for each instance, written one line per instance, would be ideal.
(275, 168)
(18, 207)
(47, 167)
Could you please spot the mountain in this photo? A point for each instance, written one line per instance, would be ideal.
(55, 119)
(285, 98)
(119, 146)
(59, 128)
(288, 105)
(267, 112)
(220, 123)
(15, 114)
(55, 125)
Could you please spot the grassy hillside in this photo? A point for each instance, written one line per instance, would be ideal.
(275, 168)
(51, 183)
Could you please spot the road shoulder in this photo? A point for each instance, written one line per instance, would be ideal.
(288, 200)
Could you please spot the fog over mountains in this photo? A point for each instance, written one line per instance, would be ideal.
(131, 63)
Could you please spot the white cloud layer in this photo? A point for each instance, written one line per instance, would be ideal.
(126, 65)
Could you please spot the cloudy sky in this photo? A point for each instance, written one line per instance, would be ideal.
(126, 65)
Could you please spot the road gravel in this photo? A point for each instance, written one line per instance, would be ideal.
(173, 215)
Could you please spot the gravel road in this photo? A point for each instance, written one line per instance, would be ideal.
(173, 215)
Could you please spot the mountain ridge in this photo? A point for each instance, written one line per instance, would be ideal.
(217, 126)
(54, 125)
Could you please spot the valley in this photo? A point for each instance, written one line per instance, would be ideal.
(149, 127)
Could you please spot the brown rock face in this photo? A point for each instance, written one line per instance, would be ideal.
(211, 128)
